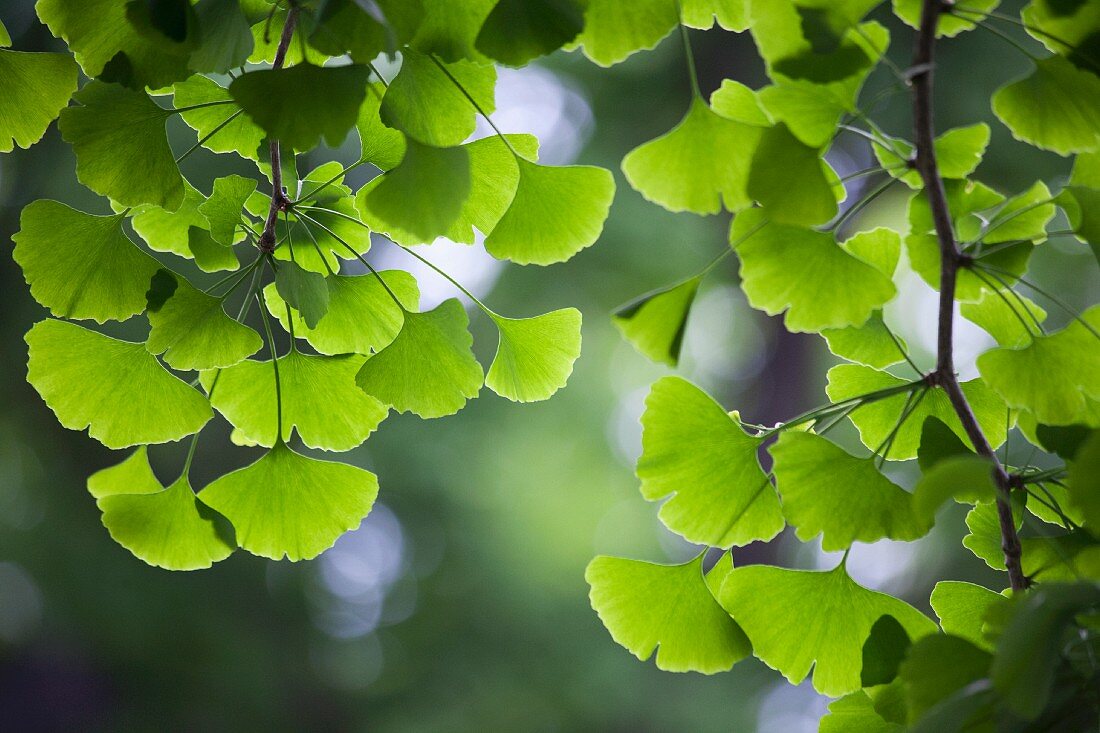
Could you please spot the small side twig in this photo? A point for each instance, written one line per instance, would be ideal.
(279, 200)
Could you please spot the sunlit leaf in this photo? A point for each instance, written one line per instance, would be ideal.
(535, 355)
(790, 180)
(937, 666)
(961, 608)
(222, 210)
(869, 344)
(614, 30)
(133, 475)
(225, 39)
(1010, 319)
(240, 135)
(115, 132)
(655, 322)
(132, 398)
(667, 608)
(383, 146)
(517, 31)
(798, 619)
(79, 265)
(959, 151)
(730, 14)
(288, 505)
(1056, 107)
(948, 25)
(449, 29)
(700, 457)
(1084, 482)
(428, 369)
(305, 292)
(319, 400)
(35, 87)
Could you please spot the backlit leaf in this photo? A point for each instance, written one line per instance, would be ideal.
(535, 355)
(288, 505)
(517, 31)
(35, 87)
(132, 398)
(305, 292)
(614, 30)
(655, 322)
(718, 494)
(961, 608)
(240, 135)
(222, 210)
(869, 344)
(1056, 107)
(133, 475)
(667, 608)
(790, 180)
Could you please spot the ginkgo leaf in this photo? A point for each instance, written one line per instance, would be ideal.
(170, 528)
(222, 210)
(133, 475)
(288, 505)
(1056, 107)
(35, 87)
(107, 45)
(958, 153)
(300, 104)
(718, 494)
(305, 292)
(1054, 376)
(950, 24)
(801, 270)
(517, 31)
(699, 165)
(239, 135)
(115, 132)
(383, 146)
(363, 31)
(655, 322)
(132, 398)
(613, 30)
(1084, 487)
(104, 278)
(534, 355)
(730, 14)
(426, 100)
(449, 29)
(169, 231)
(428, 369)
(826, 490)
(667, 608)
(790, 180)
(557, 211)
(225, 39)
(423, 195)
(494, 175)
(938, 442)
(735, 101)
(961, 608)
(796, 619)
(1082, 205)
(1009, 319)
(1066, 28)
(1012, 260)
(877, 420)
(192, 331)
(984, 537)
(938, 666)
(319, 400)
(1022, 217)
(362, 316)
(870, 344)
(856, 713)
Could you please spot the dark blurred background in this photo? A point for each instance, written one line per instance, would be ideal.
(460, 603)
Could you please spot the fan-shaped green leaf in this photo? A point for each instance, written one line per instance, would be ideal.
(1082, 205)
(876, 420)
(557, 211)
(106, 44)
(222, 210)
(362, 316)
(1084, 482)
(790, 180)
(114, 132)
(984, 537)
(958, 153)
(967, 478)
(170, 231)
(104, 278)
(133, 475)
(535, 355)
(319, 400)
(655, 322)
(300, 104)
(225, 38)
(1022, 217)
(423, 195)
(132, 398)
(1008, 318)
(796, 618)
(1067, 27)
(517, 31)
(1056, 107)
(428, 369)
(613, 30)
(700, 165)
(699, 456)
(192, 331)
(449, 29)
(1054, 376)
(856, 713)
(288, 505)
(735, 101)
(426, 100)
(667, 608)
(961, 608)
(364, 31)
(827, 491)
(35, 87)
(870, 344)
(240, 135)
(170, 528)
(801, 271)
(938, 666)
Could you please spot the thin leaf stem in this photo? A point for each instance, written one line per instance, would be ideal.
(689, 56)
(477, 106)
(275, 364)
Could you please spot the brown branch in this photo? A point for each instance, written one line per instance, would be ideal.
(279, 201)
(950, 261)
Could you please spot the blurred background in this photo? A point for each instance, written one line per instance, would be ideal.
(460, 602)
